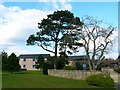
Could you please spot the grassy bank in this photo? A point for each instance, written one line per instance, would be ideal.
(35, 79)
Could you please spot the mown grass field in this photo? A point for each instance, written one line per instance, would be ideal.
(35, 79)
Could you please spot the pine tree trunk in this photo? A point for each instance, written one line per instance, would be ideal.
(55, 62)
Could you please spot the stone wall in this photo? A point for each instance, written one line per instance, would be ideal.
(73, 74)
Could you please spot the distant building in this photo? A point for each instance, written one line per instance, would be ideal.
(118, 60)
(73, 59)
(28, 61)
(110, 63)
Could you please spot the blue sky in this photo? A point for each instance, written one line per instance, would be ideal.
(103, 10)
(19, 20)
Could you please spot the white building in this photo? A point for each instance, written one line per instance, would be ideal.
(28, 61)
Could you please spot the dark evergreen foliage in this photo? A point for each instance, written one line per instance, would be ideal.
(4, 60)
(13, 63)
(39, 63)
(52, 32)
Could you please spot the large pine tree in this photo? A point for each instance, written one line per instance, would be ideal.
(52, 30)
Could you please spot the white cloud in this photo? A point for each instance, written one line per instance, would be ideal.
(16, 50)
(17, 24)
(113, 55)
(60, 5)
(66, 5)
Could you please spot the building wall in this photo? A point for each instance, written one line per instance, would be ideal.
(28, 62)
(72, 63)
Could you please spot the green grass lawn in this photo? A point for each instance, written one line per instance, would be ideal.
(35, 79)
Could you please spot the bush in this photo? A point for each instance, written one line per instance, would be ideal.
(68, 68)
(99, 67)
(78, 66)
(61, 62)
(100, 80)
(117, 70)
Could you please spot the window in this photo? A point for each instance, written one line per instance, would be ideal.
(24, 59)
(24, 66)
(33, 66)
(33, 59)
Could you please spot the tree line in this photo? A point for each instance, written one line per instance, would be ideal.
(10, 63)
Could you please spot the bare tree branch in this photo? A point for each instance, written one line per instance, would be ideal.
(95, 39)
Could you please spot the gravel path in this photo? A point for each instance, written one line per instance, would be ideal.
(116, 78)
(117, 86)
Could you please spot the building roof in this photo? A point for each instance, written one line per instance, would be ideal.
(76, 58)
(70, 58)
(33, 55)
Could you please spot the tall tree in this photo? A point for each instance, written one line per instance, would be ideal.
(53, 29)
(96, 40)
(13, 63)
(4, 60)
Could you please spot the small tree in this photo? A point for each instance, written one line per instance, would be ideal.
(50, 61)
(42, 65)
(13, 63)
(40, 62)
(62, 60)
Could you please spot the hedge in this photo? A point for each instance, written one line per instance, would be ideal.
(68, 68)
(101, 80)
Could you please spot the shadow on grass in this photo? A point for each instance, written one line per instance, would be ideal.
(19, 72)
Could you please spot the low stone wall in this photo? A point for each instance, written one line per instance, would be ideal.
(73, 74)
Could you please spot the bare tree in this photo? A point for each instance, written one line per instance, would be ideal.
(96, 39)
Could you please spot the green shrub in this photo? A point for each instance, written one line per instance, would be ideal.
(68, 68)
(78, 66)
(117, 70)
(100, 66)
(100, 80)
